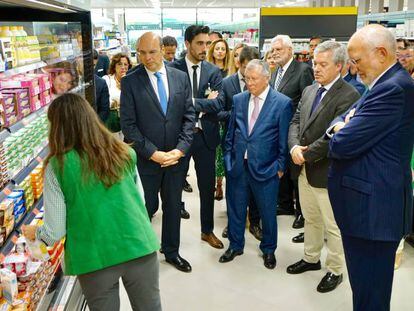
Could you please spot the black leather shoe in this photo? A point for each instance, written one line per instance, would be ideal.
(229, 255)
(303, 266)
(187, 187)
(300, 238)
(329, 282)
(269, 261)
(299, 222)
(410, 239)
(184, 214)
(180, 263)
(225, 233)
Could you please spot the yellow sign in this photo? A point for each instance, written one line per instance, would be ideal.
(346, 10)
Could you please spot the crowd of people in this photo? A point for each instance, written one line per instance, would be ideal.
(328, 140)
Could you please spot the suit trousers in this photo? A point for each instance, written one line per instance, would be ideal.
(140, 277)
(239, 191)
(169, 184)
(371, 271)
(320, 223)
(205, 167)
(288, 191)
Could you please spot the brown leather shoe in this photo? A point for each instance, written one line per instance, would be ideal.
(211, 239)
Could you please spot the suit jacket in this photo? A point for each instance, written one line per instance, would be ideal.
(144, 124)
(102, 66)
(102, 98)
(309, 130)
(369, 180)
(355, 83)
(296, 78)
(210, 76)
(266, 145)
(231, 87)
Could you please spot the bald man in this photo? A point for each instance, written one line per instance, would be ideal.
(370, 179)
(157, 117)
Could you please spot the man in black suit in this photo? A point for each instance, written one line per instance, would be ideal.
(233, 85)
(157, 117)
(101, 98)
(170, 48)
(321, 103)
(290, 79)
(313, 43)
(206, 83)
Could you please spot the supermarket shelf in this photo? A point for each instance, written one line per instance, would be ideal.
(34, 66)
(108, 48)
(22, 123)
(22, 174)
(63, 293)
(42, 300)
(26, 220)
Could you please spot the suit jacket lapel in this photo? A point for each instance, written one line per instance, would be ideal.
(170, 78)
(245, 111)
(203, 80)
(287, 76)
(143, 76)
(236, 83)
(329, 96)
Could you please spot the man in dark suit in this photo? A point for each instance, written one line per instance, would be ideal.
(101, 98)
(157, 117)
(349, 75)
(255, 153)
(233, 85)
(206, 83)
(102, 64)
(369, 180)
(313, 43)
(321, 103)
(170, 48)
(290, 79)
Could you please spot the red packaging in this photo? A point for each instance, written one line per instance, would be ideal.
(32, 84)
(44, 81)
(35, 103)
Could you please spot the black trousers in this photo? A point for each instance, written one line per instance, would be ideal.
(288, 193)
(168, 184)
(371, 271)
(205, 167)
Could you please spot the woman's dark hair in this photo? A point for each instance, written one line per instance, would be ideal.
(248, 53)
(74, 125)
(194, 30)
(116, 59)
(169, 41)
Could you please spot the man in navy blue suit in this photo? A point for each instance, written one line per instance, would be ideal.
(255, 156)
(370, 179)
(206, 84)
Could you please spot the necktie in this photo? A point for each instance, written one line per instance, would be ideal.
(255, 113)
(245, 86)
(162, 93)
(317, 99)
(195, 84)
(278, 78)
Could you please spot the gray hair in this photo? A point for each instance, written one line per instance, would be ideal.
(264, 67)
(378, 36)
(339, 54)
(285, 40)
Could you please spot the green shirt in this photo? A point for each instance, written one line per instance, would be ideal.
(104, 226)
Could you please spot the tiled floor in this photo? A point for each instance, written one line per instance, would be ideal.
(245, 284)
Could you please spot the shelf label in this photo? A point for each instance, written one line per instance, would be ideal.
(7, 191)
(39, 159)
(14, 239)
(36, 211)
(2, 257)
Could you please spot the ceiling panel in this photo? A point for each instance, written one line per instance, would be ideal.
(195, 3)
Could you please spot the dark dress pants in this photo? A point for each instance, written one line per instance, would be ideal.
(169, 184)
(371, 270)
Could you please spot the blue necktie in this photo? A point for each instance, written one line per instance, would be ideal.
(162, 93)
(318, 98)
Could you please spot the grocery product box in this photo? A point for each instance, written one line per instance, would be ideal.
(45, 97)
(9, 285)
(22, 81)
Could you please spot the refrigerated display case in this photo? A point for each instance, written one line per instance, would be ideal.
(45, 51)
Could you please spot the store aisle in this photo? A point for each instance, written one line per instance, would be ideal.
(245, 284)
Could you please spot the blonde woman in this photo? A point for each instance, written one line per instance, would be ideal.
(219, 55)
(234, 59)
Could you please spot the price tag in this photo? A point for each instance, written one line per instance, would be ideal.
(7, 191)
(2, 257)
(14, 239)
(36, 211)
(39, 159)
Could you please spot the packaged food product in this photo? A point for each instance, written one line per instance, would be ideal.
(6, 210)
(9, 284)
(18, 263)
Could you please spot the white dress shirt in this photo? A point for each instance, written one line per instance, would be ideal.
(153, 79)
(327, 88)
(262, 98)
(241, 80)
(114, 91)
(191, 72)
(285, 67)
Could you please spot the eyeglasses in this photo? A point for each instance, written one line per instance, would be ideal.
(358, 60)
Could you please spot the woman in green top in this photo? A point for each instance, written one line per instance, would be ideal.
(91, 198)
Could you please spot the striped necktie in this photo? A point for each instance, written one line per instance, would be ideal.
(279, 77)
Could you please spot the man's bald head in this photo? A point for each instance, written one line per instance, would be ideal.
(149, 50)
(373, 50)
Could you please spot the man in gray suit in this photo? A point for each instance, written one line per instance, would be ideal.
(320, 104)
(290, 79)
